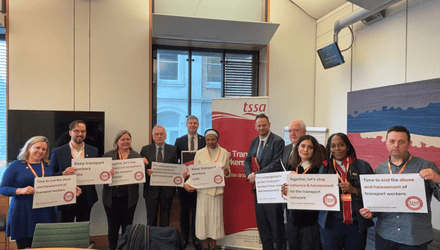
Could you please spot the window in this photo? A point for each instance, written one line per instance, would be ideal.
(187, 79)
(213, 72)
(2, 106)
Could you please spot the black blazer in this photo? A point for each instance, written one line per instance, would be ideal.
(133, 189)
(61, 159)
(358, 168)
(182, 144)
(149, 152)
(270, 157)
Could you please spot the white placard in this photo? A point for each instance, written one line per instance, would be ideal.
(167, 174)
(90, 171)
(207, 175)
(54, 191)
(129, 171)
(394, 193)
(313, 192)
(268, 187)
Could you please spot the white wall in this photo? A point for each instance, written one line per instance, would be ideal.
(291, 66)
(242, 10)
(402, 47)
(84, 56)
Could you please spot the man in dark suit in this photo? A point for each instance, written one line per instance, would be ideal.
(188, 201)
(61, 161)
(158, 197)
(297, 129)
(268, 148)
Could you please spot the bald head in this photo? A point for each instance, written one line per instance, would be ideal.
(297, 129)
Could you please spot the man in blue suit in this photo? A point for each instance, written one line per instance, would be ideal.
(158, 197)
(61, 161)
(188, 201)
(268, 148)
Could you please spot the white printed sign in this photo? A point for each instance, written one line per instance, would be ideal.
(394, 193)
(54, 191)
(313, 192)
(129, 171)
(268, 186)
(90, 171)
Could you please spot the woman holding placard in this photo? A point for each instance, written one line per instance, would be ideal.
(344, 229)
(120, 201)
(302, 226)
(209, 211)
(18, 182)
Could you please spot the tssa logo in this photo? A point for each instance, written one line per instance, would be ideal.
(254, 107)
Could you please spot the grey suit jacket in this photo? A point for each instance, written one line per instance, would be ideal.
(286, 153)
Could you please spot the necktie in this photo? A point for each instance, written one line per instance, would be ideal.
(290, 159)
(260, 150)
(300, 169)
(159, 155)
(192, 143)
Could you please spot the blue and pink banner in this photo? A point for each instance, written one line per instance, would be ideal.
(415, 106)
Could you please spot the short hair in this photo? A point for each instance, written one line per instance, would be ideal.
(24, 151)
(73, 124)
(351, 151)
(302, 125)
(399, 129)
(261, 116)
(315, 160)
(118, 136)
(212, 129)
(192, 117)
(156, 127)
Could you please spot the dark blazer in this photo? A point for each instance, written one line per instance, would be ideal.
(149, 152)
(182, 144)
(287, 150)
(270, 157)
(356, 169)
(61, 159)
(133, 189)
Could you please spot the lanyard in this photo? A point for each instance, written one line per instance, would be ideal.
(122, 158)
(33, 171)
(210, 155)
(401, 170)
(81, 155)
(341, 170)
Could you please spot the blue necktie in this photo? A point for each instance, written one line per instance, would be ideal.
(260, 150)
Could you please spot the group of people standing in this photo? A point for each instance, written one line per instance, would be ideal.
(119, 201)
(202, 209)
(346, 228)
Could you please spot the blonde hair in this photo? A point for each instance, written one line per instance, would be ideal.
(24, 151)
(118, 136)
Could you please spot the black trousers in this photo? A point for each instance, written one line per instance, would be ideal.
(24, 243)
(80, 210)
(188, 204)
(270, 222)
(302, 237)
(162, 204)
(119, 215)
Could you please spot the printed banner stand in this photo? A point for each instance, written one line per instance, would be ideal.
(234, 118)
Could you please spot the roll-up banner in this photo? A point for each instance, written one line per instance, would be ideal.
(234, 118)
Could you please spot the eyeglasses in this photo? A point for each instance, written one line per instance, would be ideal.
(77, 131)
